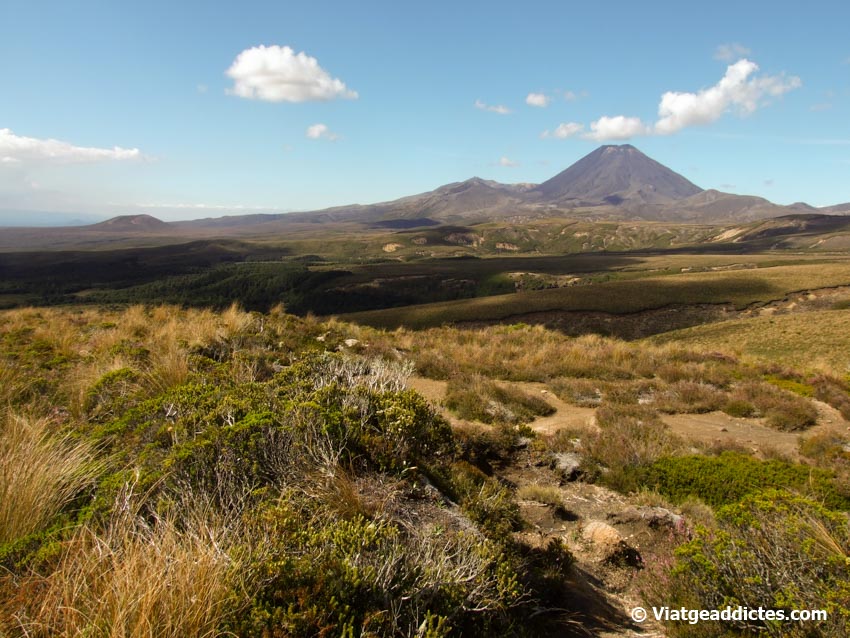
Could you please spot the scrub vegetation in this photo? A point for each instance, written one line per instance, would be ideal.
(182, 472)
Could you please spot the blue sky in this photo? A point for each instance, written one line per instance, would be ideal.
(198, 109)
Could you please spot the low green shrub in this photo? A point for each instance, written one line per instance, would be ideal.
(730, 476)
(774, 550)
(363, 577)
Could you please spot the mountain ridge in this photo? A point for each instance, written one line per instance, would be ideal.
(613, 182)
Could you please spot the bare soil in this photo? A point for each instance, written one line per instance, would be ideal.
(709, 428)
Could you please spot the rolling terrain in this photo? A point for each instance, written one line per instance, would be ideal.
(489, 409)
(616, 183)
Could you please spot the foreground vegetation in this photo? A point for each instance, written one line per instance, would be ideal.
(171, 472)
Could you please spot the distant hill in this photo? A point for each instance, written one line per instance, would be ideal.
(129, 223)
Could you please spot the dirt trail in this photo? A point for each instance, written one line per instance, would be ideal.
(602, 588)
(712, 427)
(718, 427)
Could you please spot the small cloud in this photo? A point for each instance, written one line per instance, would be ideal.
(728, 187)
(537, 99)
(507, 163)
(768, 182)
(202, 88)
(735, 89)
(15, 149)
(278, 74)
(823, 106)
(619, 127)
(570, 96)
(730, 52)
(563, 131)
(498, 108)
(321, 132)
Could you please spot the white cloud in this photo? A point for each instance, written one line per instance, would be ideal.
(736, 88)
(321, 131)
(15, 149)
(498, 108)
(507, 163)
(278, 74)
(564, 130)
(570, 96)
(537, 99)
(618, 127)
(730, 51)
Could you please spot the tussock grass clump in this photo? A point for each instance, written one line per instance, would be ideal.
(585, 393)
(165, 578)
(476, 398)
(782, 409)
(41, 471)
(546, 494)
(690, 397)
(12, 386)
(830, 449)
(629, 436)
(834, 392)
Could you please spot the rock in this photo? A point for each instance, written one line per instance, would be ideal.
(654, 517)
(568, 464)
(350, 343)
(601, 534)
(609, 544)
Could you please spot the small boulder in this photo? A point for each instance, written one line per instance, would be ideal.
(609, 544)
(601, 535)
(568, 464)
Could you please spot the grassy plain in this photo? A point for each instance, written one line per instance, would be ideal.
(739, 288)
(812, 340)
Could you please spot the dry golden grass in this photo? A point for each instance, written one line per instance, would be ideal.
(91, 339)
(816, 340)
(546, 494)
(521, 353)
(40, 473)
(135, 580)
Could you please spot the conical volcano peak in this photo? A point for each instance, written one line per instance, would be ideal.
(614, 174)
(619, 147)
